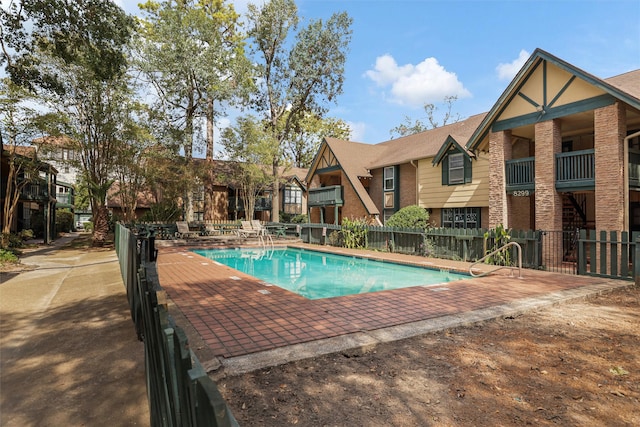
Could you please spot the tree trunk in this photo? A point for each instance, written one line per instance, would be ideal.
(100, 225)
(275, 194)
(209, 209)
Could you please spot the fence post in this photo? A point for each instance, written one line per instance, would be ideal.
(636, 262)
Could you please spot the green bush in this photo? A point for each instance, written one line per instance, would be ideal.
(88, 226)
(409, 217)
(165, 211)
(354, 233)
(26, 234)
(500, 236)
(64, 221)
(7, 256)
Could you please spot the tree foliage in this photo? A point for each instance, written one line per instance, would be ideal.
(73, 55)
(410, 127)
(17, 128)
(409, 217)
(299, 73)
(308, 134)
(248, 144)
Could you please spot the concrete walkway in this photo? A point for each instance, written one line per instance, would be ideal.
(69, 355)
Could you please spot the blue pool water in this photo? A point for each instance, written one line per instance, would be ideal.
(316, 275)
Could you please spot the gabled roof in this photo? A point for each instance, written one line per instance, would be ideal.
(357, 159)
(624, 87)
(424, 144)
(354, 158)
(451, 142)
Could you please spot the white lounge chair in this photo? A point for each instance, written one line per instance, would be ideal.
(248, 230)
(183, 231)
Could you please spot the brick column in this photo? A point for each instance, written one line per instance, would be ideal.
(500, 149)
(548, 201)
(609, 132)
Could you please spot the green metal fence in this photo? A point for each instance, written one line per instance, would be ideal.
(610, 254)
(179, 391)
(448, 243)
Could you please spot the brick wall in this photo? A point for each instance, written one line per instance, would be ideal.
(499, 151)
(609, 132)
(407, 185)
(353, 207)
(520, 213)
(548, 201)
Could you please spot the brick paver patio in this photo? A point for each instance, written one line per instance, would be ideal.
(236, 314)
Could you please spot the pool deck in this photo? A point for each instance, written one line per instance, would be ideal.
(241, 324)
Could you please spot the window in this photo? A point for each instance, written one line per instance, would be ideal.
(461, 217)
(292, 196)
(456, 169)
(389, 177)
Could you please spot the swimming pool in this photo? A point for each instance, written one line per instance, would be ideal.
(316, 275)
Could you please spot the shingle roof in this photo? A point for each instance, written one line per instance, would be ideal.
(425, 144)
(627, 82)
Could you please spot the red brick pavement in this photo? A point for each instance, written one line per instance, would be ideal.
(235, 316)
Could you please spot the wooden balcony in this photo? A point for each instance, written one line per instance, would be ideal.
(520, 175)
(325, 196)
(35, 192)
(575, 170)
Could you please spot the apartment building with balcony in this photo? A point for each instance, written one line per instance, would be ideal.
(564, 149)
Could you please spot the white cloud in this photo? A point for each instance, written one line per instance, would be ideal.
(509, 71)
(415, 85)
(357, 131)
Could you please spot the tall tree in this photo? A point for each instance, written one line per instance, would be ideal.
(248, 144)
(193, 54)
(73, 54)
(296, 77)
(306, 138)
(17, 129)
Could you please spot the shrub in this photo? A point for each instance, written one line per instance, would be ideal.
(335, 238)
(64, 221)
(409, 217)
(500, 236)
(26, 234)
(7, 256)
(354, 233)
(165, 211)
(88, 226)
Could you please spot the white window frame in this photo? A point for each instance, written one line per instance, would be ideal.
(389, 179)
(456, 168)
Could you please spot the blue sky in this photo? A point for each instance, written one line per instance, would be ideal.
(407, 53)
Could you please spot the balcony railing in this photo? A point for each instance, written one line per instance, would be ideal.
(37, 191)
(520, 174)
(325, 196)
(64, 199)
(575, 170)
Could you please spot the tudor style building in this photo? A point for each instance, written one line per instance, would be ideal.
(432, 169)
(560, 149)
(564, 149)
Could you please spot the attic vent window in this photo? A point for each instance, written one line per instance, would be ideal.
(456, 168)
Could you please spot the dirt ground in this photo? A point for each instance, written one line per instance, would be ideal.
(575, 364)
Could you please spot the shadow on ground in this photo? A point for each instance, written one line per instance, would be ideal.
(76, 364)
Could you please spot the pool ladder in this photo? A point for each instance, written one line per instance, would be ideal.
(268, 243)
(481, 260)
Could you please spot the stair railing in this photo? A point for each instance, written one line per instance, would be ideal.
(481, 260)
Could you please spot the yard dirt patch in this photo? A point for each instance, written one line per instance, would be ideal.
(572, 364)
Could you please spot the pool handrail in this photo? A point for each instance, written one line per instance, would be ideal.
(481, 260)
